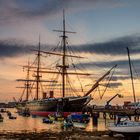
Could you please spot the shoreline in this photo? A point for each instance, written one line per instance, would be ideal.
(64, 135)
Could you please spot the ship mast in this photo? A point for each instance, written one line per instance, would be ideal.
(37, 76)
(64, 66)
(133, 88)
(27, 83)
(63, 59)
(37, 72)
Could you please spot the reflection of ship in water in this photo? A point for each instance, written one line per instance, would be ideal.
(51, 103)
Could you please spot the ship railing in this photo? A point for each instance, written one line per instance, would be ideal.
(123, 124)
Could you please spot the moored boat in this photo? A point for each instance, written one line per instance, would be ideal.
(46, 120)
(124, 126)
(1, 118)
(77, 121)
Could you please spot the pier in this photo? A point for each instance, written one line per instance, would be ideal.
(112, 111)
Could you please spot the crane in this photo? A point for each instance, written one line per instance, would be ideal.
(107, 103)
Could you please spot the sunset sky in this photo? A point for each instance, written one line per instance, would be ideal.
(104, 28)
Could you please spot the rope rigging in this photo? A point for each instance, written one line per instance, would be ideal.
(110, 78)
(72, 89)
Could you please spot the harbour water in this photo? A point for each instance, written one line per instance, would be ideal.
(25, 123)
(36, 124)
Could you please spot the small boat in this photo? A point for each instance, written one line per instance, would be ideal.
(78, 120)
(1, 118)
(3, 110)
(9, 113)
(60, 119)
(12, 117)
(25, 112)
(81, 118)
(124, 126)
(46, 120)
(79, 125)
(51, 117)
(67, 123)
(59, 116)
(34, 116)
(56, 117)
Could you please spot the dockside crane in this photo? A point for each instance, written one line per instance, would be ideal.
(107, 103)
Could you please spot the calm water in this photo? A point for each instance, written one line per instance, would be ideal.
(35, 124)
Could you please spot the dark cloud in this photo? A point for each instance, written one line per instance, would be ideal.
(116, 47)
(113, 47)
(121, 69)
(120, 77)
(11, 10)
(12, 48)
(104, 64)
(123, 77)
(114, 85)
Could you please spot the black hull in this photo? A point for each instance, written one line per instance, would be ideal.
(67, 104)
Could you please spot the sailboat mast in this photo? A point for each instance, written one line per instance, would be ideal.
(64, 55)
(37, 72)
(131, 75)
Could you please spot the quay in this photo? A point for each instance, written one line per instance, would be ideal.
(111, 111)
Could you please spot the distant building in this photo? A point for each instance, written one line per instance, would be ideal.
(3, 105)
(8, 105)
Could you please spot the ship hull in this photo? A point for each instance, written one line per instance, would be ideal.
(47, 106)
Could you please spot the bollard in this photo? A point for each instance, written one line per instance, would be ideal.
(104, 115)
(95, 117)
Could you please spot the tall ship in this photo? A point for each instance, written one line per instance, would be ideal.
(50, 101)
